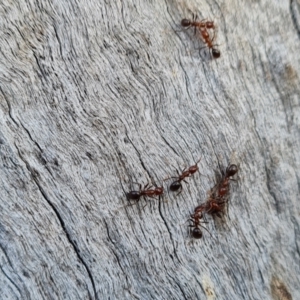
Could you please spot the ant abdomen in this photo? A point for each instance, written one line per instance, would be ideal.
(231, 170)
(175, 186)
(185, 23)
(133, 195)
(197, 233)
(215, 53)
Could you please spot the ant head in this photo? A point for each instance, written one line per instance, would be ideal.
(210, 24)
(185, 23)
(175, 186)
(215, 53)
(197, 233)
(193, 169)
(231, 170)
(133, 195)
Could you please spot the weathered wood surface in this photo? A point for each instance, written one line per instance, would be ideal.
(95, 95)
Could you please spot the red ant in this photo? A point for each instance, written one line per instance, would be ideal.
(216, 203)
(223, 186)
(209, 42)
(194, 23)
(145, 192)
(215, 207)
(195, 218)
(176, 185)
(203, 26)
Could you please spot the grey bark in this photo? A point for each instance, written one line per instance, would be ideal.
(97, 95)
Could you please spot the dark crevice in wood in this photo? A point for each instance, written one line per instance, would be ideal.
(296, 231)
(139, 156)
(116, 256)
(278, 88)
(170, 233)
(167, 143)
(180, 288)
(39, 147)
(12, 282)
(269, 187)
(10, 263)
(295, 14)
(29, 134)
(9, 107)
(187, 82)
(34, 173)
(58, 39)
(42, 71)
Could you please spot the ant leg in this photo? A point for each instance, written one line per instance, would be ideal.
(207, 231)
(208, 210)
(213, 36)
(219, 215)
(179, 191)
(223, 202)
(148, 187)
(170, 178)
(192, 226)
(140, 186)
(204, 175)
(198, 161)
(204, 218)
(145, 204)
(153, 197)
(194, 17)
(130, 204)
(184, 29)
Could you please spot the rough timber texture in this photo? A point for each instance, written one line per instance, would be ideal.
(95, 95)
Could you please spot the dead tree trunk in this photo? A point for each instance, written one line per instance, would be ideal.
(96, 96)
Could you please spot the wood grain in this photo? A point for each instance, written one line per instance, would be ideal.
(96, 95)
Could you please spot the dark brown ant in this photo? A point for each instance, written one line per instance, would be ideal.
(176, 185)
(145, 192)
(231, 170)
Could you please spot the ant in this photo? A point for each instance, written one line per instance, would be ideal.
(194, 23)
(203, 26)
(223, 186)
(209, 42)
(195, 218)
(145, 192)
(215, 205)
(176, 185)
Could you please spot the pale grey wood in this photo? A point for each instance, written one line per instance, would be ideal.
(96, 95)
